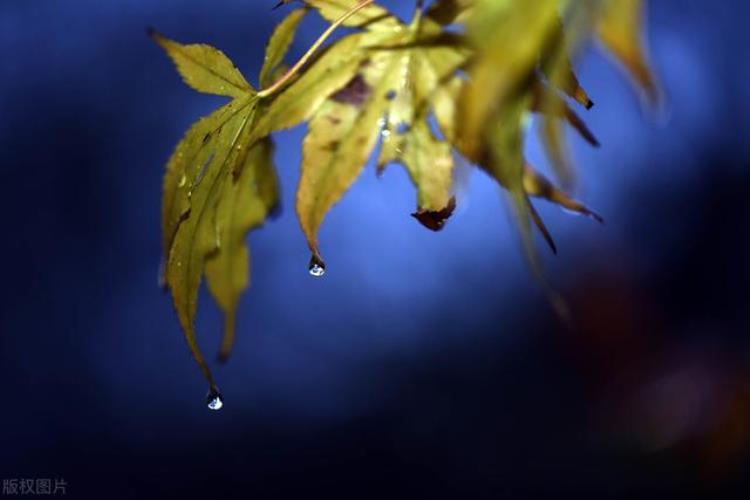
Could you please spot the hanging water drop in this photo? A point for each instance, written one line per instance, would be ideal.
(214, 400)
(316, 267)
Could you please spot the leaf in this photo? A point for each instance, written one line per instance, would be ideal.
(333, 69)
(205, 68)
(397, 77)
(476, 68)
(278, 45)
(192, 154)
(201, 204)
(243, 205)
(428, 161)
(446, 12)
(557, 66)
(535, 184)
(373, 17)
(504, 161)
(619, 30)
(341, 137)
(509, 37)
(196, 237)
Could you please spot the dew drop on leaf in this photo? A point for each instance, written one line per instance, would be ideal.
(214, 400)
(316, 267)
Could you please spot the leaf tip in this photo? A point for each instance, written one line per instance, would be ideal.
(434, 220)
(152, 33)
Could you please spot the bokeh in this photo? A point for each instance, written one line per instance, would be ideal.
(422, 365)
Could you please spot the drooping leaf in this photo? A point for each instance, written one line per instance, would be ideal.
(219, 184)
(619, 29)
(243, 204)
(538, 186)
(399, 73)
(478, 67)
(341, 137)
(196, 236)
(278, 45)
(196, 174)
(504, 161)
(556, 64)
(510, 37)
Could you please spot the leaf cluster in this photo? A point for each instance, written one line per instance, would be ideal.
(458, 81)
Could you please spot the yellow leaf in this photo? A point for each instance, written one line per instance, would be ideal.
(243, 204)
(327, 74)
(400, 72)
(186, 164)
(205, 68)
(619, 30)
(278, 45)
(201, 207)
(448, 12)
(341, 137)
(509, 36)
(197, 236)
(535, 184)
(556, 64)
(373, 17)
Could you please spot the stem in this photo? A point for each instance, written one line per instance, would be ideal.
(281, 82)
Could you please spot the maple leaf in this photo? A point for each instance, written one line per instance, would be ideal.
(220, 181)
(383, 83)
(219, 184)
(521, 65)
(619, 29)
(400, 68)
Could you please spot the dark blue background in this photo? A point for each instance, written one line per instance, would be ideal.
(423, 364)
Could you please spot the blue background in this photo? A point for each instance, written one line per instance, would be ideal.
(423, 364)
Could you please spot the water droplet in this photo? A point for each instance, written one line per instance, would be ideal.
(183, 181)
(316, 267)
(214, 400)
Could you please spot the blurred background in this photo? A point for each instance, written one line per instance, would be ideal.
(423, 364)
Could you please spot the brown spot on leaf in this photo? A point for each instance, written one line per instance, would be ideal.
(435, 219)
(331, 146)
(355, 92)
